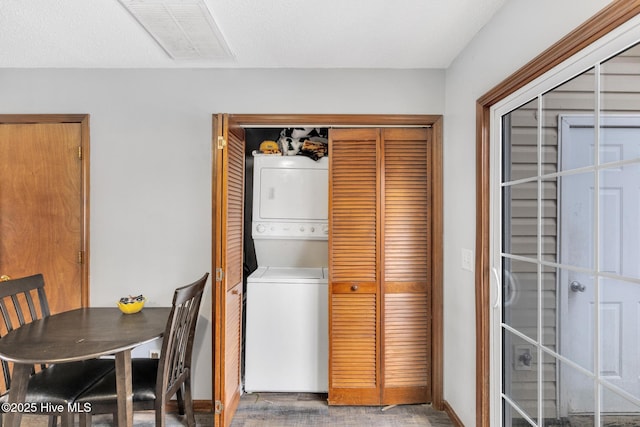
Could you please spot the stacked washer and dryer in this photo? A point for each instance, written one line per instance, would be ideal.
(286, 338)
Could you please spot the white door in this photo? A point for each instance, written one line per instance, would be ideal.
(599, 275)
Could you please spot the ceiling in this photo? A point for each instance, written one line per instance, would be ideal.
(259, 34)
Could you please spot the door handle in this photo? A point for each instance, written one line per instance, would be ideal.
(498, 287)
(576, 286)
(5, 278)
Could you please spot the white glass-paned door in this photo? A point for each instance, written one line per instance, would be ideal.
(567, 258)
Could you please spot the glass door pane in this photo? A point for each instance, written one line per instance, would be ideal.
(570, 251)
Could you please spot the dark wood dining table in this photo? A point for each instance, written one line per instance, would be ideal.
(81, 334)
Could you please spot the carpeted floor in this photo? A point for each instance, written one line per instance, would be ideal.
(292, 410)
(307, 409)
(140, 419)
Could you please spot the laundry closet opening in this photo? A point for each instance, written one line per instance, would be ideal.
(286, 260)
(328, 279)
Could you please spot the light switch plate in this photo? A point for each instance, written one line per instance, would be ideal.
(467, 259)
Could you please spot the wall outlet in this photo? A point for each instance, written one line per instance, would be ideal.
(467, 259)
(154, 354)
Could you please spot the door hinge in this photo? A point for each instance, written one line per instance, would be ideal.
(219, 275)
(80, 257)
(80, 152)
(222, 143)
(218, 407)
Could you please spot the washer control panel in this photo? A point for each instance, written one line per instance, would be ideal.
(290, 230)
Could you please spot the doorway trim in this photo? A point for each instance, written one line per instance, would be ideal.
(387, 120)
(83, 120)
(608, 19)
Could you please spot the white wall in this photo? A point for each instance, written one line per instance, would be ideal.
(151, 151)
(151, 158)
(521, 30)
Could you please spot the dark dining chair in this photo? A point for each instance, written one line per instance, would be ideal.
(22, 301)
(155, 381)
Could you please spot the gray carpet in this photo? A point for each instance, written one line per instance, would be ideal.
(292, 410)
(140, 419)
(306, 409)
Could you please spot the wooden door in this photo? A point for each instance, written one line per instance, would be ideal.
(406, 272)
(380, 266)
(354, 345)
(43, 206)
(228, 200)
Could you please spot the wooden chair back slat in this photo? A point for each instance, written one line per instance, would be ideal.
(177, 344)
(6, 318)
(22, 301)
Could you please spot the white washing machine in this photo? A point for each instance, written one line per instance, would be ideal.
(287, 332)
(286, 339)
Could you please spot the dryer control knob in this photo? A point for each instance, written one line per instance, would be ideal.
(302, 228)
(260, 228)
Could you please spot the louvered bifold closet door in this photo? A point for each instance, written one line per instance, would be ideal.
(354, 365)
(234, 173)
(228, 211)
(406, 220)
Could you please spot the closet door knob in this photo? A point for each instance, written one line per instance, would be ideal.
(354, 287)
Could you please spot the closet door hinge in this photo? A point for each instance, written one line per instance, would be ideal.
(218, 407)
(80, 152)
(222, 143)
(80, 257)
(219, 275)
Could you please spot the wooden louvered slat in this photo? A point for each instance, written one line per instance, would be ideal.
(406, 205)
(233, 340)
(353, 349)
(353, 317)
(406, 346)
(406, 267)
(353, 205)
(354, 341)
(235, 209)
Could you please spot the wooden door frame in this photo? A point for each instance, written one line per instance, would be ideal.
(615, 14)
(83, 120)
(382, 120)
